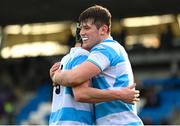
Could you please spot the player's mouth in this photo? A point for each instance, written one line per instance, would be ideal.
(84, 39)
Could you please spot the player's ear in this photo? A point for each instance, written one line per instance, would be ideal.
(103, 29)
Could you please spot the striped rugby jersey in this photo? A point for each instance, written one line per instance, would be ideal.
(65, 110)
(112, 60)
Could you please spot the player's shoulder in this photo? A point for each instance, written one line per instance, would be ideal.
(105, 46)
(65, 59)
(78, 51)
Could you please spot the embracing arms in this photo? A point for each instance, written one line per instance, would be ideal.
(84, 93)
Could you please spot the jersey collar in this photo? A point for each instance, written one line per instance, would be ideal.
(109, 39)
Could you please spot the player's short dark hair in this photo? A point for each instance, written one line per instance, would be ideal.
(98, 14)
(78, 37)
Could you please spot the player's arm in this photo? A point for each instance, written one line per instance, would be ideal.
(84, 93)
(76, 76)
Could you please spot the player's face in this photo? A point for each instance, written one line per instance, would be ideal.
(90, 34)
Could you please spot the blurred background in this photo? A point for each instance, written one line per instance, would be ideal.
(34, 34)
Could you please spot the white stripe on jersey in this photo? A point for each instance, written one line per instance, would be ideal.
(57, 99)
(77, 51)
(66, 100)
(65, 59)
(123, 118)
(67, 123)
(96, 56)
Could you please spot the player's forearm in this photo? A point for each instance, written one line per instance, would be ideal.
(93, 95)
(78, 75)
(68, 78)
(64, 78)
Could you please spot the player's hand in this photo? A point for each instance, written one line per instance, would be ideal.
(53, 69)
(54, 78)
(130, 94)
(136, 93)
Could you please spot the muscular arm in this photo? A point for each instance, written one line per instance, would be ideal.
(78, 75)
(84, 93)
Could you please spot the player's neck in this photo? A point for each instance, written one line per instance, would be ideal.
(106, 36)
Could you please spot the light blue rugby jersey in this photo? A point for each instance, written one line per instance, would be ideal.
(113, 61)
(65, 110)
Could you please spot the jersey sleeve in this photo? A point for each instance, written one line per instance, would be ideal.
(100, 56)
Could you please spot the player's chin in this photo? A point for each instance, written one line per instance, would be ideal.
(85, 46)
(85, 42)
